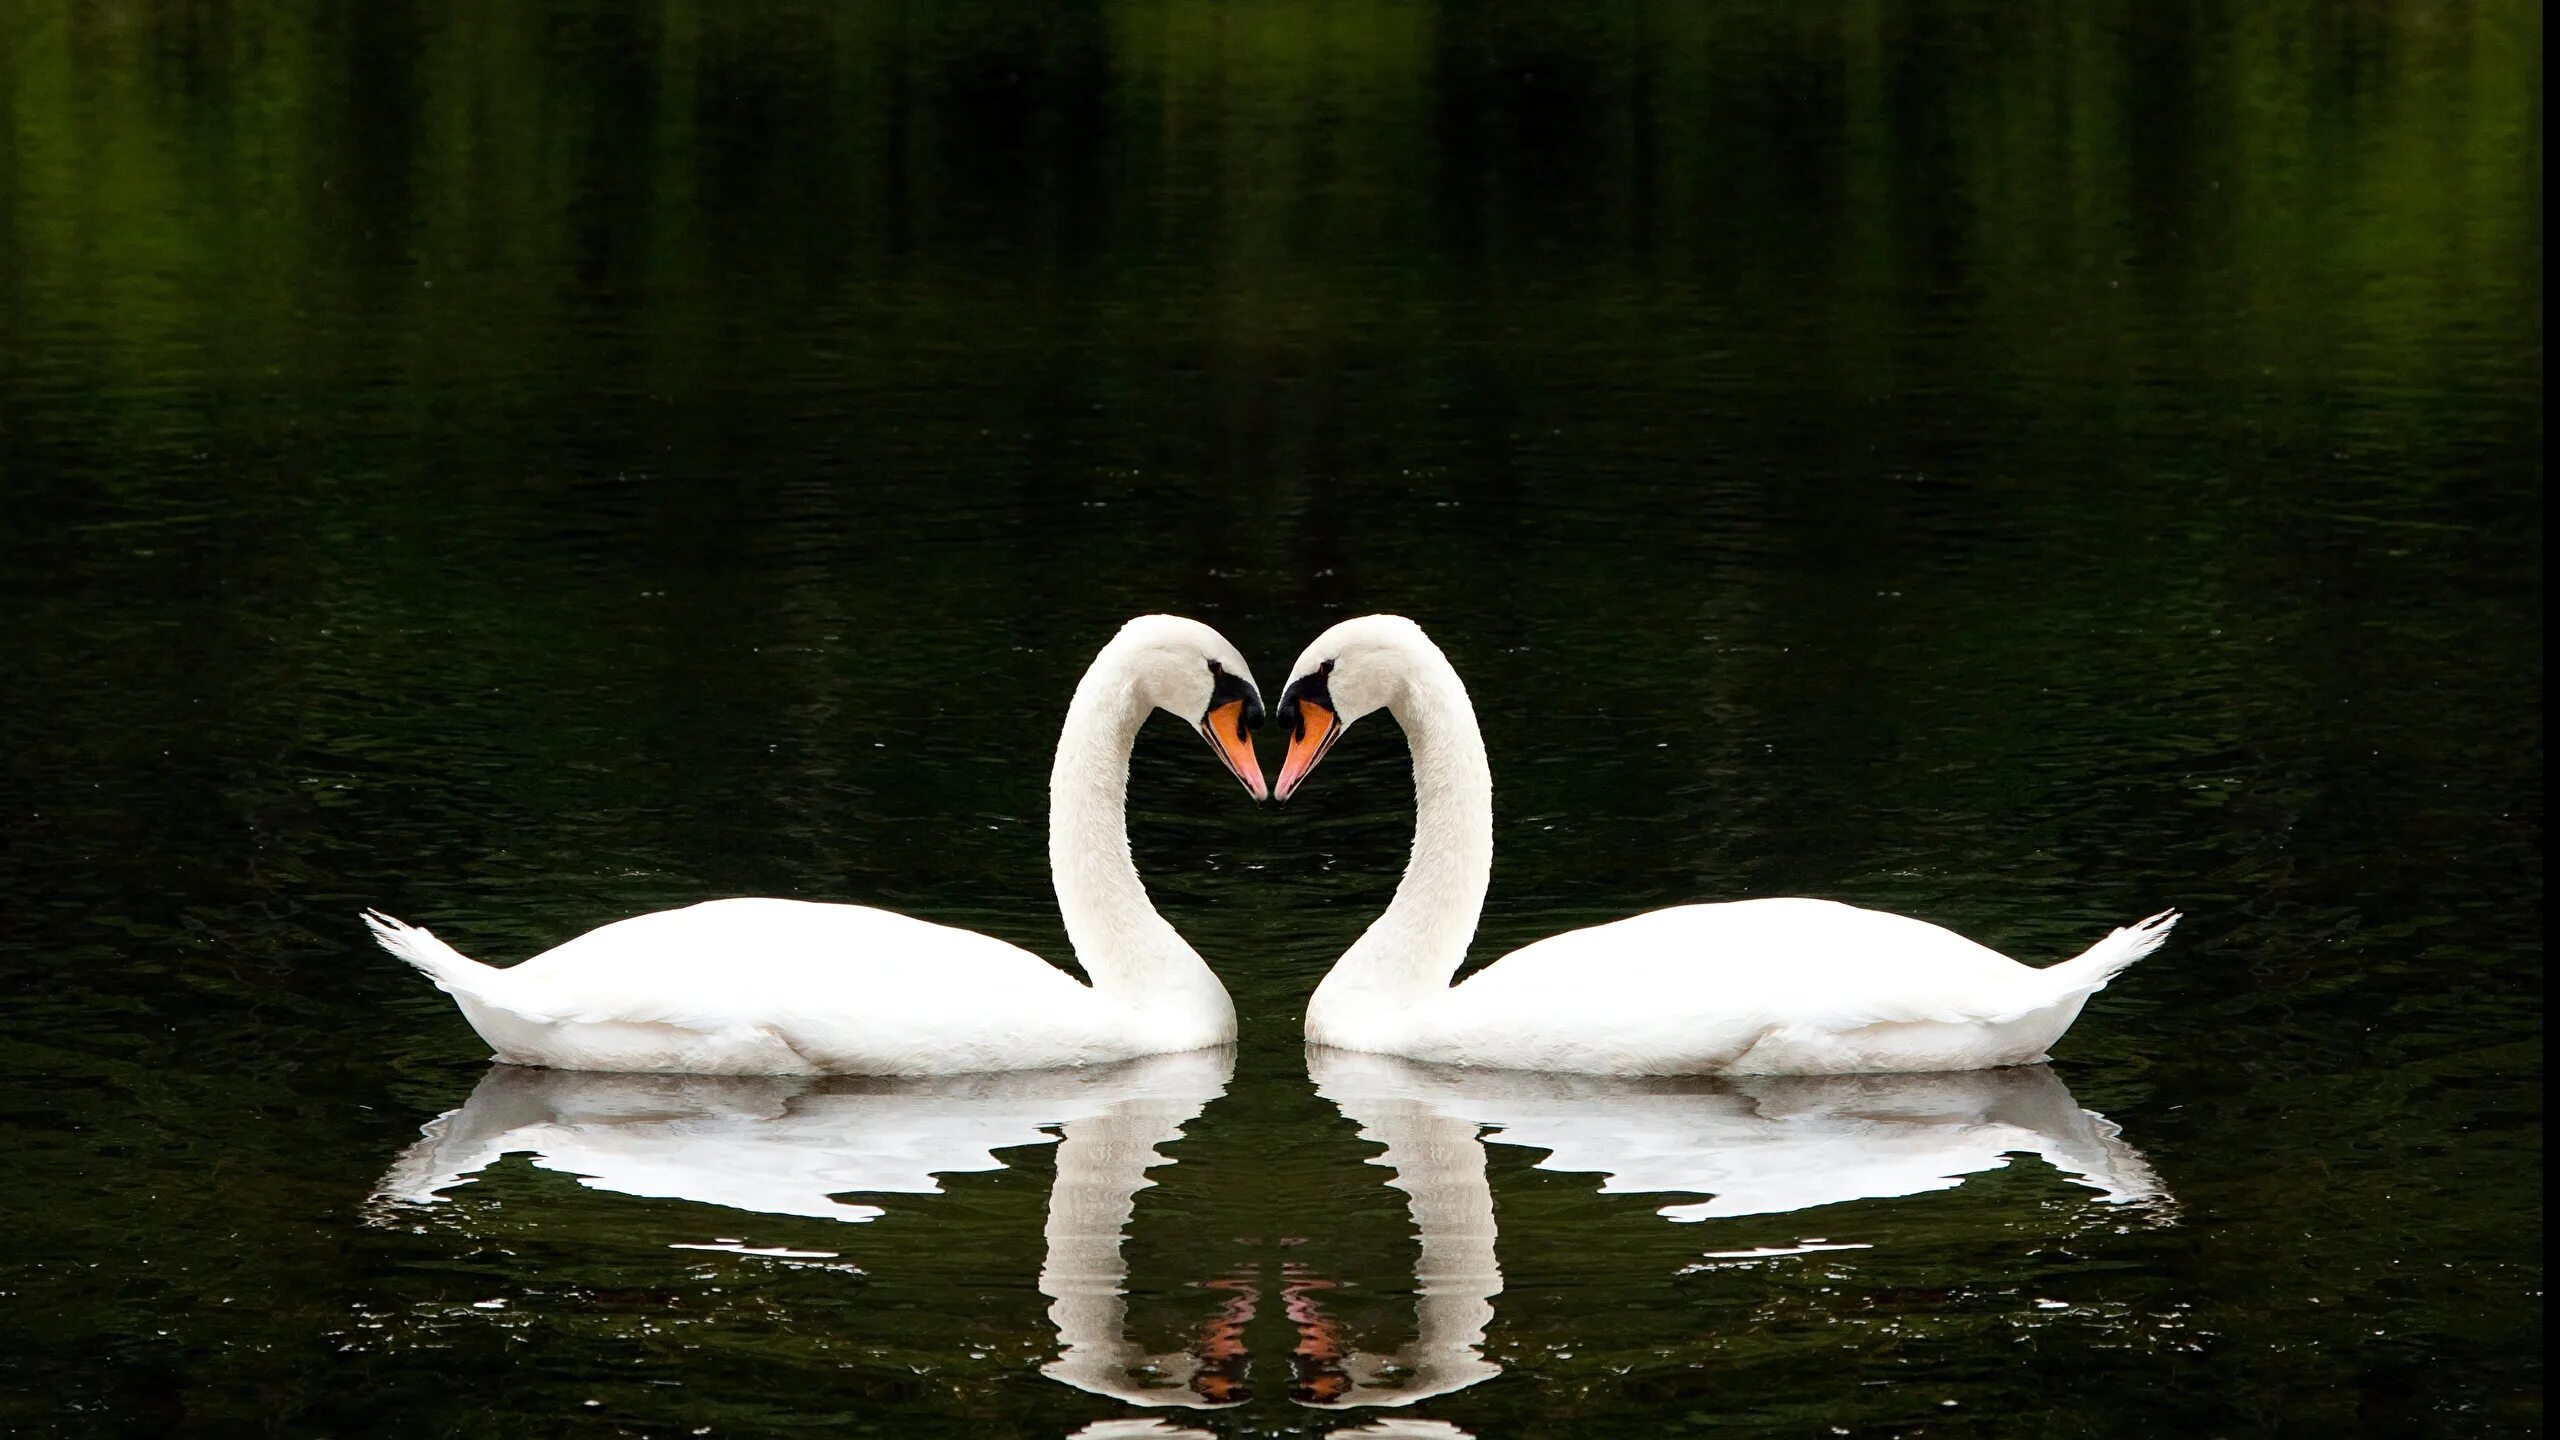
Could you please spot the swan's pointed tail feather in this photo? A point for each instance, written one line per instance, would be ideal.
(2088, 972)
(453, 971)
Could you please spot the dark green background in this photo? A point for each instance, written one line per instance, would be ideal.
(523, 464)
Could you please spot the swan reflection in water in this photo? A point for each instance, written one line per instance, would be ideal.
(1762, 1146)
(789, 1146)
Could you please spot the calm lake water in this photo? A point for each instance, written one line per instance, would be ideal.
(521, 465)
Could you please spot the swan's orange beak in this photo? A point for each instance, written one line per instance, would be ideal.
(1229, 732)
(1313, 733)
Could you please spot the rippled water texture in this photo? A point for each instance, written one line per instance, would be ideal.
(524, 464)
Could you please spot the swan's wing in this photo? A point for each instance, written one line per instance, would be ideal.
(1740, 968)
(746, 962)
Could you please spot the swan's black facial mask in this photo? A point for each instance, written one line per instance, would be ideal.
(1228, 727)
(1306, 710)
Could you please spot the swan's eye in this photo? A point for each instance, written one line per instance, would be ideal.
(1314, 687)
(1229, 690)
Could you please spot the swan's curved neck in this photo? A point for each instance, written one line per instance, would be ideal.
(1419, 943)
(1133, 956)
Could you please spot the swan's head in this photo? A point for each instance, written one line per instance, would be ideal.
(1355, 667)
(1188, 669)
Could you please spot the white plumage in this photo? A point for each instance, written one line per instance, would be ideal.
(1782, 986)
(790, 987)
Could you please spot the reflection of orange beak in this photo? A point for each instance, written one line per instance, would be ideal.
(1220, 1349)
(1322, 1342)
(1226, 733)
(1316, 732)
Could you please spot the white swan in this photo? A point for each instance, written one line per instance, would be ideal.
(788, 987)
(1751, 987)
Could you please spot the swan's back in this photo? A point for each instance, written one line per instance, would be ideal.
(811, 951)
(787, 986)
(1776, 949)
(1697, 987)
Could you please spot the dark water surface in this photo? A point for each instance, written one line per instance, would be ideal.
(524, 464)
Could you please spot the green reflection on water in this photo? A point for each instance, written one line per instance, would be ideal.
(528, 464)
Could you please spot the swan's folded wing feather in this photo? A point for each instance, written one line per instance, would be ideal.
(1758, 964)
(728, 963)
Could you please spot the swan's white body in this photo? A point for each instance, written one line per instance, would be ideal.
(789, 987)
(1751, 987)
